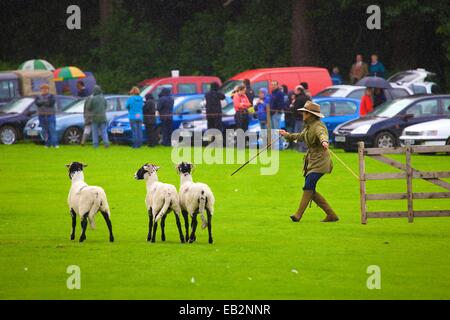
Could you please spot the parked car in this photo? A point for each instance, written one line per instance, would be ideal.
(317, 78)
(432, 133)
(417, 80)
(70, 123)
(15, 114)
(383, 127)
(20, 83)
(179, 86)
(186, 108)
(356, 92)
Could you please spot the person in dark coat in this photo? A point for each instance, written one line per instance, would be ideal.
(214, 107)
(96, 106)
(150, 119)
(165, 109)
(81, 90)
(300, 100)
(249, 91)
(45, 103)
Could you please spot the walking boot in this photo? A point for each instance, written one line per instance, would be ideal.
(306, 198)
(323, 204)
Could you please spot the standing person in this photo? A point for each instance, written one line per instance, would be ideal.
(96, 106)
(378, 97)
(376, 68)
(249, 91)
(134, 106)
(359, 69)
(301, 99)
(214, 107)
(276, 105)
(66, 90)
(87, 122)
(261, 107)
(366, 104)
(306, 89)
(336, 77)
(45, 103)
(165, 109)
(81, 89)
(289, 114)
(149, 111)
(317, 160)
(241, 105)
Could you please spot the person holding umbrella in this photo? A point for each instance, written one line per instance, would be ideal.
(317, 160)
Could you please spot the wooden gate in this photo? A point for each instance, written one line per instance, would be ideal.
(409, 173)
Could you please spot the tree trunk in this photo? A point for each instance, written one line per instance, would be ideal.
(302, 47)
(106, 10)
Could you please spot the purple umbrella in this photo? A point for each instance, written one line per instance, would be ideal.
(374, 82)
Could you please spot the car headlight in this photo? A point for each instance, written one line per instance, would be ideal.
(361, 129)
(430, 133)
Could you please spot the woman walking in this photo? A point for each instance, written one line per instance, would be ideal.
(317, 160)
(134, 106)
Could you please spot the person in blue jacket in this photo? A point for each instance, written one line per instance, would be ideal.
(261, 107)
(376, 68)
(336, 77)
(134, 106)
(165, 109)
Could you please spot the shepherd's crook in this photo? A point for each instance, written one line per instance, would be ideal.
(268, 146)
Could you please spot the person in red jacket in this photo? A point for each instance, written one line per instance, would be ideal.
(241, 105)
(366, 104)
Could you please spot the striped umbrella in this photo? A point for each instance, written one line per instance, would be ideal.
(68, 73)
(36, 64)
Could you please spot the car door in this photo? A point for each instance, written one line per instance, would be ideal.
(420, 111)
(189, 110)
(112, 108)
(343, 111)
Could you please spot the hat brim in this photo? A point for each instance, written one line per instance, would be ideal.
(318, 114)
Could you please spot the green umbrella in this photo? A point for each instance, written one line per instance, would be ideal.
(36, 64)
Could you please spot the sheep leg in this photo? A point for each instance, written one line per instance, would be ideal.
(163, 225)
(210, 240)
(108, 223)
(186, 224)
(155, 226)
(74, 223)
(177, 217)
(83, 226)
(194, 227)
(150, 224)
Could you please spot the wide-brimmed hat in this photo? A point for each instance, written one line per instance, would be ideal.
(313, 108)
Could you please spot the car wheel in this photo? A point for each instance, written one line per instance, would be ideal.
(8, 135)
(72, 135)
(385, 140)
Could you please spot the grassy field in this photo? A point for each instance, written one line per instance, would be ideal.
(258, 253)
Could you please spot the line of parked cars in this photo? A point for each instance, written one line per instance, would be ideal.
(403, 119)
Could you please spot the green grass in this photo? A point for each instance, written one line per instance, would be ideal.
(256, 246)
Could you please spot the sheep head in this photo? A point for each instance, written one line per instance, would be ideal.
(146, 169)
(185, 168)
(75, 167)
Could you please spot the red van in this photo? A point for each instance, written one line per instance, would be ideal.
(317, 78)
(182, 85)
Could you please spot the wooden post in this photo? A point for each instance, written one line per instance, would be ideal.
(362, 183)
(409, 178)
(269, 125)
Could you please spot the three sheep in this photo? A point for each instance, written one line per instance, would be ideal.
(162, 198)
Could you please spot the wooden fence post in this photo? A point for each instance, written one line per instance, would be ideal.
(362, 183)
(409, 178)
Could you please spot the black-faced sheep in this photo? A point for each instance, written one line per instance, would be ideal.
(86, 201)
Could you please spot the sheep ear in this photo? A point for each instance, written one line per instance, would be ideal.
(156, 168)
(84, 165)
(68, 165)
(192, 167)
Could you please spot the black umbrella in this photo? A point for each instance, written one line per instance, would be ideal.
(374, 82)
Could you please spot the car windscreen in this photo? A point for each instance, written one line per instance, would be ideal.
(229, 86)
(146, 90)
(70, 105)
(332, 92)
(405, 76)
(390, 109)
(76, 107)
(17, 106)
